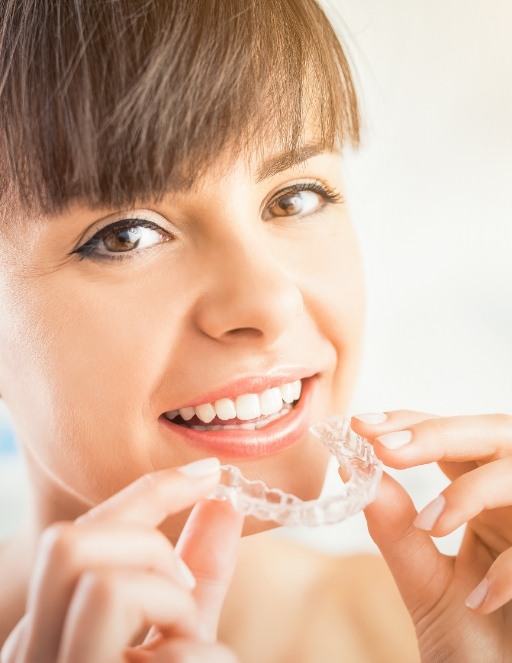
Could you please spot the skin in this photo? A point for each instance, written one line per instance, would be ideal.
(85, 382)
(453, 621)
(128, 340)
(94, 351)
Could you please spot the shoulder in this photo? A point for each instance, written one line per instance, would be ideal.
(362, 590)
(336, 603)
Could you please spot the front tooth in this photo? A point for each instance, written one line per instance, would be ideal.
(296, 389)
(271, 401)
(225, 409)
(247, 406)
(287, 392)
(205, 412)
(187, 413)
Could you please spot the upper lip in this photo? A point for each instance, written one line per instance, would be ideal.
(253, 384)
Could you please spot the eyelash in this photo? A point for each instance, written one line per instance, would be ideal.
(88, 250)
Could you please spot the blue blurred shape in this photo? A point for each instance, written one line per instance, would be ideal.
(7, 439)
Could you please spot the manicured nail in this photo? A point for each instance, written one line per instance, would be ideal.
(427, 517)
(200, 468)
(477, 596)
(186, 574)
(371, 417)
(395, 440)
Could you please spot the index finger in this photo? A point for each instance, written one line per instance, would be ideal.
(153, 497)
(459, 439)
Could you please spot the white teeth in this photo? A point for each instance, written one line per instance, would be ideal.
(248, 406)
(296, 389)
(271, 404)
(205, 412)
(271, 401)
(287, 392)
(225, 409)
(187, 413)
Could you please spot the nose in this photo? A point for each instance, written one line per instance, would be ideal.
(248, 294)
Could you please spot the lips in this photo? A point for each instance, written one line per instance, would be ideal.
(267, 421)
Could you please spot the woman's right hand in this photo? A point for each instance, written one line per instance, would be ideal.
(102, 580)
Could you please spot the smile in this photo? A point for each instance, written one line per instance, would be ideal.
(245, 412)
(253, 419)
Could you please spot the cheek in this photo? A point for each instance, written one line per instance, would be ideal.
(79, 363)
(333, 287)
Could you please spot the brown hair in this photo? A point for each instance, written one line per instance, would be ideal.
(113, 101)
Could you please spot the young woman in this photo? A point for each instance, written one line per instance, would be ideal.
(179, 284)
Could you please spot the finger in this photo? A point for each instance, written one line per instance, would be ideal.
(486, 487)
(421, 572)
(209, 545)
(109, 609)
(182, 651)
(450, 439)
(495, 589)
(370, 425)
(66, 551)
(11, 651)
(153, 497)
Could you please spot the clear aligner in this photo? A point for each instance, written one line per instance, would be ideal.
(354, 455)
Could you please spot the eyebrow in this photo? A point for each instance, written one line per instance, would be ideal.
(284, 160)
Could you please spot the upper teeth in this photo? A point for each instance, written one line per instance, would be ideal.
(244, 407)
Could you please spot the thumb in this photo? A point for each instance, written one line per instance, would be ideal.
(208, 545)
(421, 572)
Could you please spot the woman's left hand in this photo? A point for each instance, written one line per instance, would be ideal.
(462, 605)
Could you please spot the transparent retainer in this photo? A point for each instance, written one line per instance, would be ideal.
(354, 455)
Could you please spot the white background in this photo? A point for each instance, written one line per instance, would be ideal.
(430, 193)
(431, 198)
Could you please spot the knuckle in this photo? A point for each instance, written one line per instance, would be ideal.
(432, 427)
(58, 541)
(150, 484)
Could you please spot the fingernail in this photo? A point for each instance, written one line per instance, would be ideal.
(477, 596)
(427, 517)
(371, 417)
(185, 573)
(200, 468)
(395, 440)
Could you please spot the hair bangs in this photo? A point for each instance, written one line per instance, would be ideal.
(124, 100)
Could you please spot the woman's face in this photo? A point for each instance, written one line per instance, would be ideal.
(119, 326)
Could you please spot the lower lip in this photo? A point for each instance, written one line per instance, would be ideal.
(242, 444)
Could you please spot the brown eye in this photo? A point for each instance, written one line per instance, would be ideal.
(123, 237)
(127, 239)
(294, 203)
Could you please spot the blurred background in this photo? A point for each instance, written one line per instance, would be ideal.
(431, 198)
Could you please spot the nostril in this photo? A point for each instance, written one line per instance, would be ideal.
(246, 332)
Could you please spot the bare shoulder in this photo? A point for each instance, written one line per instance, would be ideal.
(355, 598)
(363, 587)
(312, 606)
